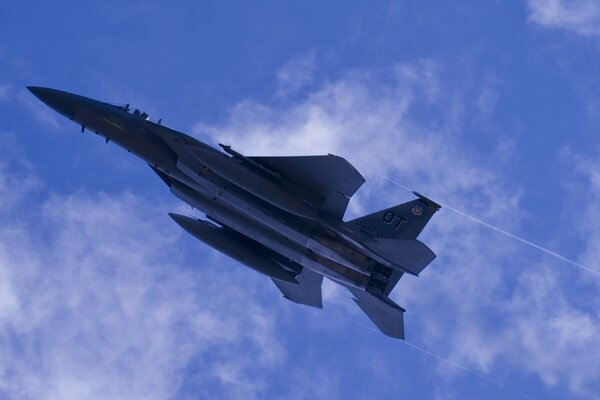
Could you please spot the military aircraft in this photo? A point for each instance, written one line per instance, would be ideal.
(281, 216)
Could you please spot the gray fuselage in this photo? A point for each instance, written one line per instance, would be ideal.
(196, 173)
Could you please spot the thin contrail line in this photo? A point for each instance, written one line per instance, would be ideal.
(477, 374)
(458, 366)
(510, 235)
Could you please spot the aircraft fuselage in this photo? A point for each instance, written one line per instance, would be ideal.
(211, 181)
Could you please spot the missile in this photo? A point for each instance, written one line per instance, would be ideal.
(251, 182)
(251, 162)
(233, 245)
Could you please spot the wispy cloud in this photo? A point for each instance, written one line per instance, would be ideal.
(366, 116)
(296, 74)
(557, 334)
(480, 306)
(17, 179)
(577, 16)
(98, 298)
(97, 301)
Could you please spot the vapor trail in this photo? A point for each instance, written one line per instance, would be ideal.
(477, 374)
(458, 366)
(510, 235)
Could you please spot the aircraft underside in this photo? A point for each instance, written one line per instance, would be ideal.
(281, 216)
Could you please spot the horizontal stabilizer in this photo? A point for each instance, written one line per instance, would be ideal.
(410, 255)
(384, 313)
(307, 291)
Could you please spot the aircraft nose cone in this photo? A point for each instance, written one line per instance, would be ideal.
(39, 92)
(65, 103)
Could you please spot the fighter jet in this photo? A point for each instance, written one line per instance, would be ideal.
(281, 216)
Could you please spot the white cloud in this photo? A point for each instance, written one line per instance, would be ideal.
(97, 301)
(578, 16)
(294, 75)
(368, 121)
(16, 177)
(477, 306)
(558, 337)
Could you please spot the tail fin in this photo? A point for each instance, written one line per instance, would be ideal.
(404, 221)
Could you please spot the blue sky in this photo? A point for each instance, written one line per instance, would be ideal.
(489, 107)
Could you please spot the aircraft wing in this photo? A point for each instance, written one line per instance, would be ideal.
(307, 291)
(331, 180)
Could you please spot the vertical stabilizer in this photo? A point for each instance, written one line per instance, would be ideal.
(404, 221)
